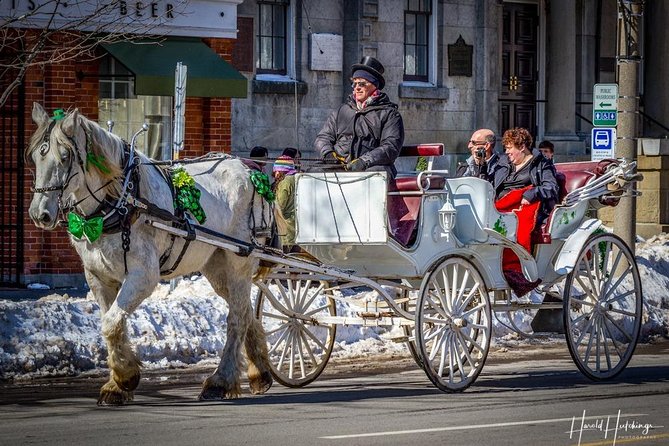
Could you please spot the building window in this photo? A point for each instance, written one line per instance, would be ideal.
(272, 36)
(117, 103)
(417, 40)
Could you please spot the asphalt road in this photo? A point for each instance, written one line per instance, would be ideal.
(523, 397)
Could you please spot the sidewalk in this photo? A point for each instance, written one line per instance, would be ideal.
(17, 294)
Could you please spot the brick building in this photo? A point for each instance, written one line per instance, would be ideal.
(120, 81)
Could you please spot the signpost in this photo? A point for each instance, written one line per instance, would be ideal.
(603, 143)
(604, 120)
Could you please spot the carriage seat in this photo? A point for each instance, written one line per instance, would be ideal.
(569, 176)
(405, 194)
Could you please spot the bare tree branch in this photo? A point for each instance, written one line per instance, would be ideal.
(56, 31)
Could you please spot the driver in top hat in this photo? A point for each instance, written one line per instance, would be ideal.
(366, 132)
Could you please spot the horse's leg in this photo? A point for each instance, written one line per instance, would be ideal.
(121, 359)
(260, 377)
(105, 293)
(235, 286)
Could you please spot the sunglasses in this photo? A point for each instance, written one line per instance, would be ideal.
(360, 84)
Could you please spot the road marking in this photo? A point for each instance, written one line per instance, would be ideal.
(476, 426)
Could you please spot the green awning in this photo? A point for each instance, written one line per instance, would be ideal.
(154, 62)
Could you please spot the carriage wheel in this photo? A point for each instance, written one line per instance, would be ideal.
(453, 324)
(299, 346)
(410, 332)
(602, 307)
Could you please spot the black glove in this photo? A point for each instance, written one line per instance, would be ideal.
(357, 165)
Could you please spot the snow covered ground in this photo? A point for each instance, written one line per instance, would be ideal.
(59, 335)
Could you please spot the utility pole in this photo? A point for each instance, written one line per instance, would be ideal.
(630, 13)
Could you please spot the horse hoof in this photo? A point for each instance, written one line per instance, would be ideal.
(217, 392)
(212, 394)
(128, 385)
(113, 398)
(261, 384)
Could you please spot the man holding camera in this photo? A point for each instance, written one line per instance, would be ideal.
(483, 159)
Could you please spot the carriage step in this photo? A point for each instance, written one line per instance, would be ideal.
(400, 339)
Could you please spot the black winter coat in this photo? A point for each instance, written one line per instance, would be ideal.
(375, 134)
(542, 176)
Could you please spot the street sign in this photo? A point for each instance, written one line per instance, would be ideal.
(605, 105)
(603, 143)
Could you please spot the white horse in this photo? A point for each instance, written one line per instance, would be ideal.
(82, 169)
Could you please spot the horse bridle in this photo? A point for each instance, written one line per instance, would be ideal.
(43, 149)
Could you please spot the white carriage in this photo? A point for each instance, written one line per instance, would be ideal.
(431, 247)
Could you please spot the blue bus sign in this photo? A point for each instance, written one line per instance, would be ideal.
(603, 143)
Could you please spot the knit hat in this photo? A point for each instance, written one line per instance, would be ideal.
(361, 74)
(284, 164)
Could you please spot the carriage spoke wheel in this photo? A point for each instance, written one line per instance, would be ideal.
(453, 324)
(289, 308)
(602, 307)
(409, 330)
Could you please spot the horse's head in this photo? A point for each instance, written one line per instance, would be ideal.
(58, 152)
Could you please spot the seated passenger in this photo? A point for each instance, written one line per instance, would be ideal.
(483, 160)
(526, 169)
(524, 184)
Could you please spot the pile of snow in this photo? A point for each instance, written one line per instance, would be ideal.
(58, 335)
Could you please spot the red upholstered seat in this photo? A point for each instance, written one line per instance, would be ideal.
(410, 184)
(404, 195)
(404, 198)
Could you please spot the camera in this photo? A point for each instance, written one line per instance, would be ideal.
(480, 153)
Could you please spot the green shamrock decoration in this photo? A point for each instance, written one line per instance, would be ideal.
(98, 161)
(500, 227)
(260, 181)
(187, 195)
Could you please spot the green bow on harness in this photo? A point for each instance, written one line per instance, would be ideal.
(187, 195)
(260, 181)
(78, 226)
(58, 114)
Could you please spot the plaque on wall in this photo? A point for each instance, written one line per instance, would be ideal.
(460, 58)
(326, 52)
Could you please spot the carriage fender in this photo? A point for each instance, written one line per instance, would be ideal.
(572, 246)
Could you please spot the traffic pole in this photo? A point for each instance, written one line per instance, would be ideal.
(629, 19)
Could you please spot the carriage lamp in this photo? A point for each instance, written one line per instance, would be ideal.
(447, 217)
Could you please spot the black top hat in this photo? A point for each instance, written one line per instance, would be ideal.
(372, 66)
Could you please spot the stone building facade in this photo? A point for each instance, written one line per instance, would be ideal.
(493, 64)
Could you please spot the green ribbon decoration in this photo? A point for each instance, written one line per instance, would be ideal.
(98, 161)
(187, 195)
(260, 181)
(79, 226)
(58, 114)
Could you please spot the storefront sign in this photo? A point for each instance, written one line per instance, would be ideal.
(193, 18)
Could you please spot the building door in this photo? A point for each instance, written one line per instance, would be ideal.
(12, 145)
(517, 99)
